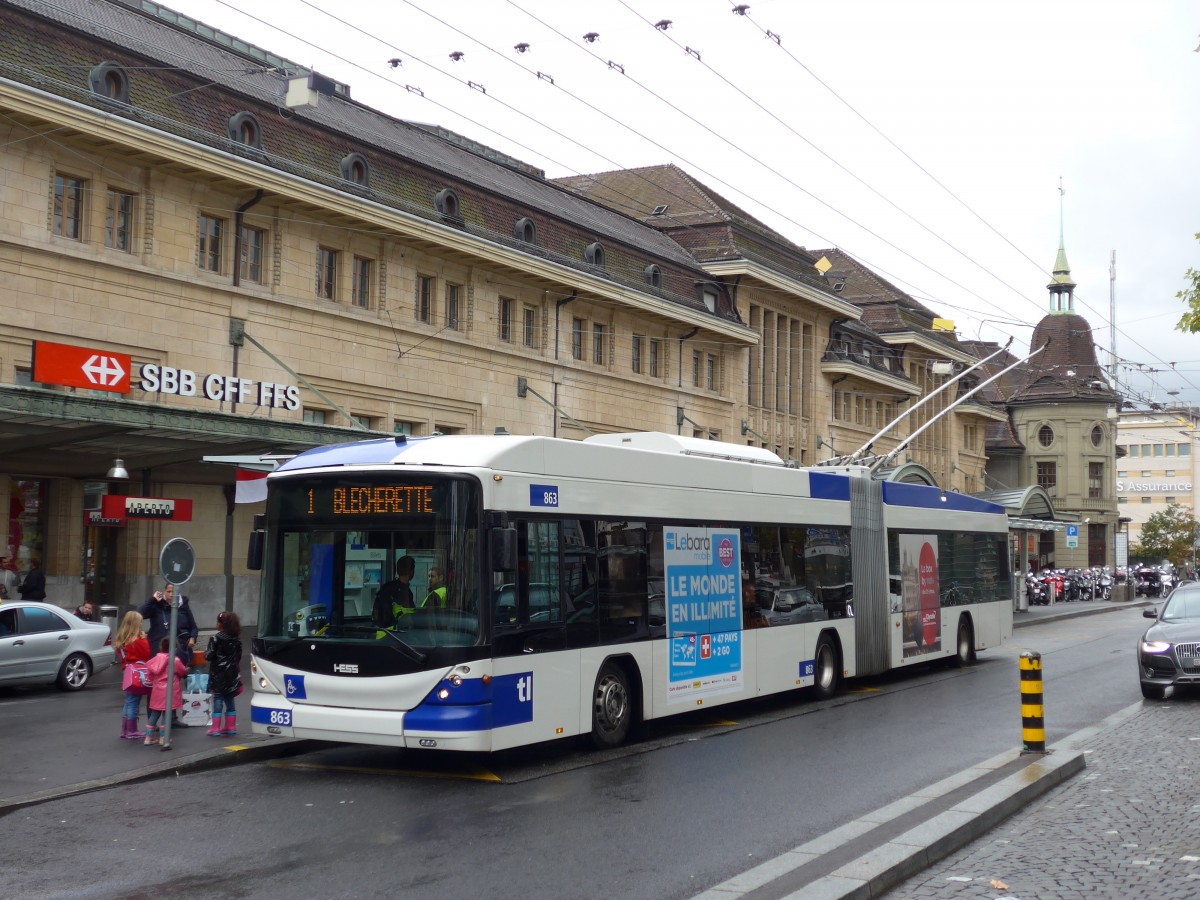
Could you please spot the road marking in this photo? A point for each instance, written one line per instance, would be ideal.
(478, 773)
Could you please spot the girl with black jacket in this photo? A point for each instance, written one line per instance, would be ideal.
(224, 657)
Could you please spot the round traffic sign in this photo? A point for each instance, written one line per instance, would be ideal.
(177, 561)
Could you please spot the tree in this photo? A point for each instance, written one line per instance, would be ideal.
(1168, 535)
(1191, 296)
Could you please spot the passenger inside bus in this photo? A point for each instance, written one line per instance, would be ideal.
(752, 616)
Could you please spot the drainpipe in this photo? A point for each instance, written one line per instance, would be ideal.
(557, 306)
(682, 338)
(237, 268)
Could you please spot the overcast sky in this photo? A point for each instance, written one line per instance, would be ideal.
(925, 138)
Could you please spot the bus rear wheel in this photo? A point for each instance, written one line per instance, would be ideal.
(612, 710)
(825, 669)
(965, 645)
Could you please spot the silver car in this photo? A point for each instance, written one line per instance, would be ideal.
(41, 643)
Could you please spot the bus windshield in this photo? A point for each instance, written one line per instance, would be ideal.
(381, 559)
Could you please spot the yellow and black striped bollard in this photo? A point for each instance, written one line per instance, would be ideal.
(1033, 725)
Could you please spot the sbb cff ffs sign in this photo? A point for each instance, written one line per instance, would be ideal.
(163, 509)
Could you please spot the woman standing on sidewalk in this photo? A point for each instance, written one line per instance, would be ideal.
(131, 646)
(224, 657)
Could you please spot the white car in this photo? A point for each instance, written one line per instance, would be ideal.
(41, 643)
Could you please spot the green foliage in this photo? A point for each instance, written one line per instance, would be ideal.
(1168, 535)
(1190, 322)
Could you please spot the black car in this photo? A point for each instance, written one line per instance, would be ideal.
(1169, 652)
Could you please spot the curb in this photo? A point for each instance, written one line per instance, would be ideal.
(1088, 610)
(216, 758)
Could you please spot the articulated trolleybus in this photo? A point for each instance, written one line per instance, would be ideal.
(484, 592)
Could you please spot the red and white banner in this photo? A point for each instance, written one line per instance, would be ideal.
(251, 486)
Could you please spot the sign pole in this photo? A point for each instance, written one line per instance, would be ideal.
(177, 562)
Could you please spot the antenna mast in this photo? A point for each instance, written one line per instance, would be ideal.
(1112, 317)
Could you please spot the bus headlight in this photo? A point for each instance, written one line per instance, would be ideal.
(261, 681)
(443, 694)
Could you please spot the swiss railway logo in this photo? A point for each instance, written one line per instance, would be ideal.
(81, 367)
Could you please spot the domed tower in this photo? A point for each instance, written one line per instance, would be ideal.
(1065, 413)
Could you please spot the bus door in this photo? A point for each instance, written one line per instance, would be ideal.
(548, 603)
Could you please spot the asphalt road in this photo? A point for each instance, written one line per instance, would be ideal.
(694, 802)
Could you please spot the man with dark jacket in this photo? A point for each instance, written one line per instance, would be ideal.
(34, 585)
(157, 611)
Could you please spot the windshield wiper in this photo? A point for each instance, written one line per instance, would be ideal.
(411, 651)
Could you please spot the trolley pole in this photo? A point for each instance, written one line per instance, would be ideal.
(1033, 724)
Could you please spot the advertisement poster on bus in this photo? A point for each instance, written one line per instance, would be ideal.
(919, 583)
(703, 607)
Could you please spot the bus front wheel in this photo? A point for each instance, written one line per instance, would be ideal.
(612, 710)
(825, 669)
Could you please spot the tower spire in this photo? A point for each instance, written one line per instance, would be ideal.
(1061, 287)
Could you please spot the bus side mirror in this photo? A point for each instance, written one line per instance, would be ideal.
(504, 549)
(255, 549)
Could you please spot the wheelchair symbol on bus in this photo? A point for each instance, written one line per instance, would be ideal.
(293, 686)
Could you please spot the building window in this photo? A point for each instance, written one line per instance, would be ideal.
(363, 421)
(1145, 451)
(118, 221)
(1147, 499)
(577, 327)
(253, 242)
(1097, 435)
(1132, 449)
(452, 306)
(1170, 501)
(653, 276)
(109, 80)
(327, 273)
(1045, 435)
(1146, 473)
(598, 343)
(696, 354)
(1158, 450)
(1095, 480)
(594, 254)
(1170, 448)
(424, 303)
(446, 202)
(208, 256)
(356, 170)
(1122, 500)
(360, 287)
(505, 319)
(68, 207)
(1047, 476)
(1185, 449)
(314, 417)
(525, 230)
(655, 353)
(1122, 473)
(636, 353)
(399, 427)
(708, 294)
(1170, 473)
(243, 128)
(710, 372)
(529, 326)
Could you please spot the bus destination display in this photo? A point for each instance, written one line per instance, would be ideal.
(376, 500)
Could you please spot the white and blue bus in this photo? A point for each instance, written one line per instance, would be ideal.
(587, 585)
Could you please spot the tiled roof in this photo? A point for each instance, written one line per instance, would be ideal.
(167, 62)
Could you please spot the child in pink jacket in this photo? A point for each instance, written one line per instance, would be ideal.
(160, 669)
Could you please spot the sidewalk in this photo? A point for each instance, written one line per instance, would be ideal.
(60, 744)
(57, 745)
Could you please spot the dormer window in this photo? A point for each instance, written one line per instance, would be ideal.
(525, 230)
(447, 204)
(109, 80)
(709, 291)
(594, 254)
(653, 275)
(244, 129)
(356, 170)
(659, 210)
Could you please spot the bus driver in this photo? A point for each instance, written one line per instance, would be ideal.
(395, 599)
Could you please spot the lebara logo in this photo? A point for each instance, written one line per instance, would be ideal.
(725, 552)
(669, 538)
